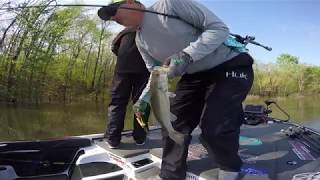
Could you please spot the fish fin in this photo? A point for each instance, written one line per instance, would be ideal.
(172, 117)
(171, 94)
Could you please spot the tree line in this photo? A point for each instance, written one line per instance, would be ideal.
(286, 77)
(50, 54)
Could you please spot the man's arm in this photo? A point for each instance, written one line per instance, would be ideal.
(140, 106)
(214, 32)
(148, 60)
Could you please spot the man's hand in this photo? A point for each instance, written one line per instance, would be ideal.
(140, 108)
(177, 64)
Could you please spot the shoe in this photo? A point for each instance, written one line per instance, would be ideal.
(140, 143)
(228, 175)
(112, 145)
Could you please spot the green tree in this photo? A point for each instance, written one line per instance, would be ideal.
(287, 59)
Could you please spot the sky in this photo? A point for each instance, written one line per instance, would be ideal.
(288, 26)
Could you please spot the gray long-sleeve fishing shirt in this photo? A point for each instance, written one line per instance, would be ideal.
(160, 37)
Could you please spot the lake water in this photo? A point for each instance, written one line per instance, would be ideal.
(52, 121)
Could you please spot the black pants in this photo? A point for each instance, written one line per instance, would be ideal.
(215, 96)
(124, 86)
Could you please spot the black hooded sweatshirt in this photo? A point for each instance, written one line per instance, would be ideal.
(129, 59)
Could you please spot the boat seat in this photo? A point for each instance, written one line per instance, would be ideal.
(41, 158)
(72, 142)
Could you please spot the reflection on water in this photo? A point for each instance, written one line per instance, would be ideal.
(48, 121)
(51, 121)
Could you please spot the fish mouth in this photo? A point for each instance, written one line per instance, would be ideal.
(160, 69)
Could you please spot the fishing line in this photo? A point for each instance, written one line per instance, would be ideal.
(56, 5)
(245, 40)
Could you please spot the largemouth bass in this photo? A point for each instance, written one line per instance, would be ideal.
(160, 104)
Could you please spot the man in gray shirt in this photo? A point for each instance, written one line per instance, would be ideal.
(215, 78)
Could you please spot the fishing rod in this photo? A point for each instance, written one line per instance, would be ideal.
(300, 127)
(52, 5)
(304, 135)
(112, 8)
(249, 39)
(244, 40)
(299, 132)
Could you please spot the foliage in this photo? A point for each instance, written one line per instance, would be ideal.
(54, 54)
(287, 59)
(63, 55)
(286, 77)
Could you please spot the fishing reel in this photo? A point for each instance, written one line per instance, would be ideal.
(244, 40)
(249, 39)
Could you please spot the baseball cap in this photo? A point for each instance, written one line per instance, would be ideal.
(106, 12)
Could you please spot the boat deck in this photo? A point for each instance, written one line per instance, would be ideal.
(266, 151)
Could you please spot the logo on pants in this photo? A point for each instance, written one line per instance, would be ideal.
(236, 75)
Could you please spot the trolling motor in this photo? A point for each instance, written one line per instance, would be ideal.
(255, 114)
(269, 102)
(258, 114)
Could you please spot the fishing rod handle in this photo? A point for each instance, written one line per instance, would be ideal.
(249, 39)
(258, 44)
